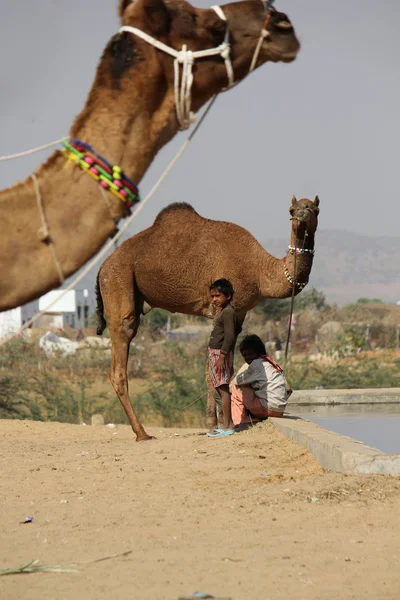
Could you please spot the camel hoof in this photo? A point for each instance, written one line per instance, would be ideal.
(145, 438)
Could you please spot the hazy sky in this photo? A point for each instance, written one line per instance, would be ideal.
(327, 123)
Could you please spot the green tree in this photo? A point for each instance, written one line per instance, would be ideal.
(276, 308)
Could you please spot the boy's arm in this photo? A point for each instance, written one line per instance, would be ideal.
(229, 332)
(250, 375)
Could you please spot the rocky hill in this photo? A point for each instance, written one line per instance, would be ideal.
(348, 266)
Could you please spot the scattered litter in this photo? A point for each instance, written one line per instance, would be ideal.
(202, 595)
(82, 453)
(52, 344)
(63, 501)
(266, 474)
(34, 567)
(115, 433)
(27, 520)
(177, 434)
(242, 451)
(111, 425)
(313, 499)
(228, 559)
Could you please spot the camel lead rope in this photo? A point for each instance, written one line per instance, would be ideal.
(292, 302)
(44, 232)
(291, 313)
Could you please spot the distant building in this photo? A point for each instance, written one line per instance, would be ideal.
(12, 320)
(57, 308)
(70, 310)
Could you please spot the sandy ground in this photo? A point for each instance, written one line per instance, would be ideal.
(233, 517)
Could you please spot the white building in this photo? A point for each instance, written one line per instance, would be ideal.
(12, 320)
(56, 305)
(70, 310)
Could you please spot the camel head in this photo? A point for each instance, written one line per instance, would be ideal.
(176, 23)
(304, 216)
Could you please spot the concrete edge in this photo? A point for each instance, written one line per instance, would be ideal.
(345, 396)
(337, 452)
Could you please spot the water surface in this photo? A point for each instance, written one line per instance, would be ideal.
(377, 425)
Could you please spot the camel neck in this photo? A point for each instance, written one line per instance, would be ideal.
(274, 282)
(127, 126)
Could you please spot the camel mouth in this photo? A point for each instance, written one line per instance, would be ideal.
(285, 57)
(290, 57)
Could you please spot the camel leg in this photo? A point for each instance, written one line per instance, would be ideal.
(123, 322)
(119, 380)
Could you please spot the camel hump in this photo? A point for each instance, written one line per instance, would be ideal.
(175, 207)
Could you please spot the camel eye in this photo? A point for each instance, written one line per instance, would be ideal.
(284, 25)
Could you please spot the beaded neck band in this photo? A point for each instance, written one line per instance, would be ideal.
(298, 284)
(293, 249)
(110, 177)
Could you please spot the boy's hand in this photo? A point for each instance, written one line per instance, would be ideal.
(220, 364)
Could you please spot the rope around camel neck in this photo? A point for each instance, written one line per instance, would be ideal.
(33, 150)
(44, 231)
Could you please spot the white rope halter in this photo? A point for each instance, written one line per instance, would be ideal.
(183, 83)
(186, 58)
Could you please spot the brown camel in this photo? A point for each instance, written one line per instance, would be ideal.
(172, 264)
(129, 116)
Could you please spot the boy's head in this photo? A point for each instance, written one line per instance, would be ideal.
(252, 347)
(221, 292)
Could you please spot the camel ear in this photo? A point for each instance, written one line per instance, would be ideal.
(122, 5)
(151, 15)
(156, 15)
(294, 200)
(316, 201)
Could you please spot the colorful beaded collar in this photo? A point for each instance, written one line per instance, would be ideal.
(110, 177)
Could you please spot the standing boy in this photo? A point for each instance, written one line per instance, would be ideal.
(220, 350)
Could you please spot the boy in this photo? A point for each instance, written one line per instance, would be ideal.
(220, 349)
(259, 388)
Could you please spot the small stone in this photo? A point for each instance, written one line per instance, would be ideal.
(97, 419)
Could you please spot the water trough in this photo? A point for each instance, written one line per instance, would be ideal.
(373, 415)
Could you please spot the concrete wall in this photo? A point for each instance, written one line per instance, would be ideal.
(357, 396)
(337, 452)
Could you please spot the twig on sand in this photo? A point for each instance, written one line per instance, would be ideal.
(34, 567)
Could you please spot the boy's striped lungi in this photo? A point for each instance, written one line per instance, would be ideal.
(223, 376)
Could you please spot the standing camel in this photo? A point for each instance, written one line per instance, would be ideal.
(58, 218)
(171, 265)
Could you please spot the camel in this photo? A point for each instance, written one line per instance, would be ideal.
(171, 265)
(57, 219)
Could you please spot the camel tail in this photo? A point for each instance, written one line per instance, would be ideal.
(101, 321)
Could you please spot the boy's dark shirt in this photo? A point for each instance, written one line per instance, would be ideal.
(226, 329)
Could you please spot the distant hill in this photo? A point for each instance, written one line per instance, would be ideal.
(347, 266)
